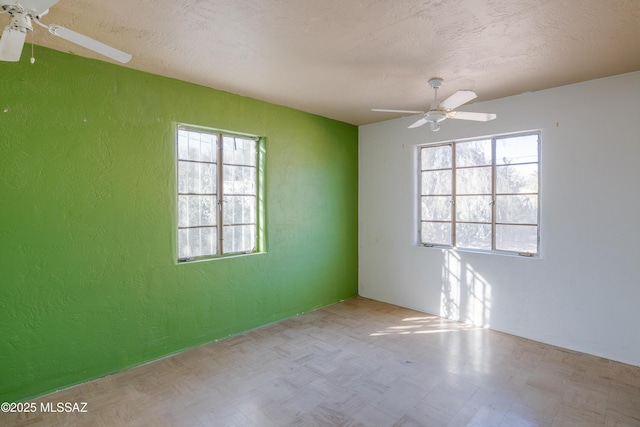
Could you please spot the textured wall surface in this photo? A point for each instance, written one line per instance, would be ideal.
(88, 279)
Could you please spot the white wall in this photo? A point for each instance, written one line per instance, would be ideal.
(583, 293)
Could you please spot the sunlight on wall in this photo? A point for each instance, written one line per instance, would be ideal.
(466, 295)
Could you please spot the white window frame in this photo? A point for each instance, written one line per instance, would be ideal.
(494, 223)
(221, 194)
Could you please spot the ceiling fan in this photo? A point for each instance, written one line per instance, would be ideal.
(24, 12)
(445, 109)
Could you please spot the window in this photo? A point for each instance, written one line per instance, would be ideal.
(481, 194)
(219, 193)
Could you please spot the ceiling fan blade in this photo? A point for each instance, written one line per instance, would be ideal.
(418, 123)
(466, 115)
(397, 111)
(90, 43)
(11, 44)
(37, 6)
(457, 99)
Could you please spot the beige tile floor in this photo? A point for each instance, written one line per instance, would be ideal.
(361, 363)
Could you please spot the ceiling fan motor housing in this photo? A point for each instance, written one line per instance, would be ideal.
(435, 116)
(20, 22)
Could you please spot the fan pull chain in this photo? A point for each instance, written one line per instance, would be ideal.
(33, 36)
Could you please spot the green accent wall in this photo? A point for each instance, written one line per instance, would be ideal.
(89, 283)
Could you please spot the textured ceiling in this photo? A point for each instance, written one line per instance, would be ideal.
(340, 58)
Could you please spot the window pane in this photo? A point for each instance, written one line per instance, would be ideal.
(196, 242)
(196, 211)
(435, 157)
(517, 209)
(238, 238)
(239, 180)
(239, 151)
(183, 145)
(436, 233)
(436, 208)
(196, 146)
(473, 208)
(517, 238)
(436, 182)
(239, 210)
(198, 178)
(193, 150)
(473, 181)
(207, 148)
(473, 153)
(517, 179)
(519, 149)
(473, 236)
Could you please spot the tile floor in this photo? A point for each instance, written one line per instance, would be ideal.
(360, 363)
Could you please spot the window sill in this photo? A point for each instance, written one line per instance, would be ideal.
(216, 258)
(480, 251)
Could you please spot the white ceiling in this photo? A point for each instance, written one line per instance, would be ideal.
(340, 58)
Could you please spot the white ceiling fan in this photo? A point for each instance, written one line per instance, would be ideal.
(24, 12)
(445, 109)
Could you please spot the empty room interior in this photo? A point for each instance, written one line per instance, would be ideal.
(323, 213)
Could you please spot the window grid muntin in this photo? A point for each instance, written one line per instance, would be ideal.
(220, 224)
(494, 165)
